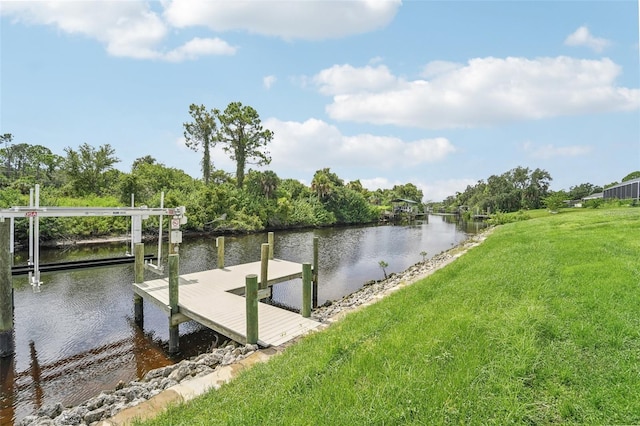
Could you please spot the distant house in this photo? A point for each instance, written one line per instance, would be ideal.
(403, 209)
(579, 203)
(624, 191)
(593, 196)
(401, 205)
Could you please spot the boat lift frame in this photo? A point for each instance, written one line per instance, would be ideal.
(34, 212)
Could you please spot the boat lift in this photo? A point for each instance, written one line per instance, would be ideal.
(137, 214)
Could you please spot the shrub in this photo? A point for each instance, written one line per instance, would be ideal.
(594, 203)
(501, 218)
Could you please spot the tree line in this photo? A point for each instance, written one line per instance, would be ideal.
(221, 202)
(245, 201)
(518, 189)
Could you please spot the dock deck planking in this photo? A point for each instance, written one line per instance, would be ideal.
(213, 298)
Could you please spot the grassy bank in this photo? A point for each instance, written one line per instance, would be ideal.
(539, 324)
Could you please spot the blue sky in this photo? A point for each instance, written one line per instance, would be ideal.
(440, 94)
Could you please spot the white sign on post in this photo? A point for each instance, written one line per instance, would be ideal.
(176, 237)
(175, 223)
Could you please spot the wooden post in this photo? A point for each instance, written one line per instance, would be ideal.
(138, 311)
(173, 301)
(7, 340)
(264, 266)
(220, 245)
(270, 241)
(251, 296)
(306, 290)
(314, 287)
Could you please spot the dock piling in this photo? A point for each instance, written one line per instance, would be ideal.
(270, 240)
(138, 307)
(220, 246)
(214, 299)
(7, 340)
(314, 285)
(251, 296)
(174, 335)
(264, 265)
(306, 290)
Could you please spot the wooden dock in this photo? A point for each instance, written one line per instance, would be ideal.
(215, 299)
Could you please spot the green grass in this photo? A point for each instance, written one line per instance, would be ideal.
(540, 324)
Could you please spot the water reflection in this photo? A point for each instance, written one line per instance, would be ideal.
(76, 378)
(7, 384)
(470, 227)
(77, 336)
(349, 257)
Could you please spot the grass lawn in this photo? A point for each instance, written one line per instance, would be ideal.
(540, 324)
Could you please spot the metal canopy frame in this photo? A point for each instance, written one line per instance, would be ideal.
(34, 212)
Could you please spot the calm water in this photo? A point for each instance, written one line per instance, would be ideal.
(76, 337)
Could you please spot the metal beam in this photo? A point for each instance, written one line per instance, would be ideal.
(27, 212)
(78, 264)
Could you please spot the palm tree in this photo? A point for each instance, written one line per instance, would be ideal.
(269, 182)
(321, 185)
(383, 265)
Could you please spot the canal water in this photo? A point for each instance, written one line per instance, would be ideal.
(76, 336)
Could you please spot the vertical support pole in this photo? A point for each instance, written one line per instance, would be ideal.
(264, 266)
(138, 312)
(36, 243)
(12, 245)
(306, 290)
(251, 296)
(159, 261)
(174, 335)
(12, 242)
(136, 231)
(270, 241)
(7, 341)
(220, 245)
(133, 204)
(30, 262)
(314, 289)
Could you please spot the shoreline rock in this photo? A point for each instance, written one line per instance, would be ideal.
(371, 290)
(374, 290)
(109, 403)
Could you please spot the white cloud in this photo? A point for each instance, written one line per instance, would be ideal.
(348, 79)
(550, 151)
(304, 147)
(200, 47)
(316, 144)
(582, 37)
(378, 183)
(484, 92)
(133, 29)
(269, 81)
(312, 20)
(436, 68)
(432, 191)
(126, 28)
(439, 190)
